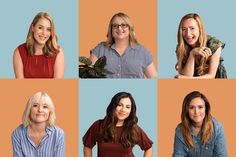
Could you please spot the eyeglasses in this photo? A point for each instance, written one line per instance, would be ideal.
(116, 26)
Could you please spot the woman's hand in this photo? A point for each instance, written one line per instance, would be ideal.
(201, 51)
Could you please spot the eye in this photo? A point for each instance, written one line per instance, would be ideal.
(49, 29)
(191, 107)
(45, 106)
(35, 105)
(128, 107)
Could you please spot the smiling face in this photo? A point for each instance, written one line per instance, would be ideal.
(190, 31)
(197, 111)
(42, 31)
(39, 113)
(120, 29)
(123, 110)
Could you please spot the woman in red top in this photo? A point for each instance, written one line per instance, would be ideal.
(118, 132)
(40, 56)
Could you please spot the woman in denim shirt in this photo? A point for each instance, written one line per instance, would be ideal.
(199, 134)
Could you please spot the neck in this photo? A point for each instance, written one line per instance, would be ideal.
(119, 123)
(38, 48)
(124, 43)
(37, 128)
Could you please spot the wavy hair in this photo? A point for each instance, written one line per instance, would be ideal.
(51, 46)
(132, 39)
(39, 97)
(129, 135)
(207, 125)
(183, 49)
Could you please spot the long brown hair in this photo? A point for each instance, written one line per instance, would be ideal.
(129, 135)
(183, 49)
(207, 125)
(51, 47)
(132, 39)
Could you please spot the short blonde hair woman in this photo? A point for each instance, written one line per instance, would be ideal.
(38, 134)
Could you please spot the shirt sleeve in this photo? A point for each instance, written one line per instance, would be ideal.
(144, 142)
(220, 143)
(214, 43)
(17, 149)
(179, 146)
(60, 146)
(89, 139)
(99, 50)
(148, 57)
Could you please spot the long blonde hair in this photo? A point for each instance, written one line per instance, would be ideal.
(183, 49)
(132, 39)
(51, 47)
(186, 123)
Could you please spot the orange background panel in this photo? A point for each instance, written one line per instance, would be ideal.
(220, 93)
(14, 97)
(94, 17)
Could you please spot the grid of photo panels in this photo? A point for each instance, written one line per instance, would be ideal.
(165, 87)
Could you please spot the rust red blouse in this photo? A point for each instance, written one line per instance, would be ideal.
(113, 149)
(36, 66)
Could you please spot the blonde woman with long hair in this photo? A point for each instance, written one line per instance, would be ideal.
(40, 56)
(198, 134)
(126, 58)
(198, 54)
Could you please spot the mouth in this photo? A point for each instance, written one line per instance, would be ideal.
(42, 37)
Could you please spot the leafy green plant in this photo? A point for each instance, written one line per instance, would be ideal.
(87, 70)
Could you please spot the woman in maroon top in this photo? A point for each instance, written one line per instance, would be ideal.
(118, 132)
(40, 56)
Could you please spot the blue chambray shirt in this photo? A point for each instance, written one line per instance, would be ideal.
(132, 64)
(215, 147)
(52, 145)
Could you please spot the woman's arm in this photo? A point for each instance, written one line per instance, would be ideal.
(17, 150)
(60, 147)
(220, 144)
(188, 69)
(150, 71)
(59, 65)
(88, 152)
(213, 65)
(18, 65)
(93, 58)
(148, 153)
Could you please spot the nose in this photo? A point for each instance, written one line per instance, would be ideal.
(196, 110)
(188, 31)
(122, 108)
(40, 108)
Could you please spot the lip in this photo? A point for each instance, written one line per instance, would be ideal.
(122, 114)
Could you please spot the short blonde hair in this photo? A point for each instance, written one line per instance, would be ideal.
(39, 97)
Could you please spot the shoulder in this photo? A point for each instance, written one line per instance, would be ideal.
(214, 43)
(101, 45)
(97, 123)
(21, 50)
(178, 132)
(218, 127)
(21, 129)
(140, 47)
(56, 130)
